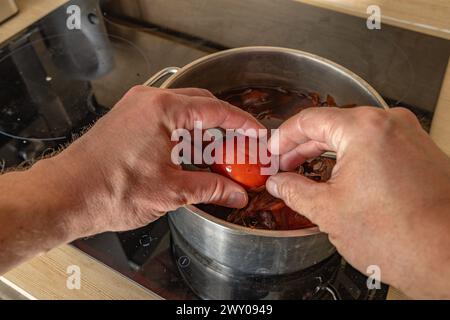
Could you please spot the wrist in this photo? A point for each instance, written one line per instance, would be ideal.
(39, 210)
(51, 202)
(30, 217)
(62, 197)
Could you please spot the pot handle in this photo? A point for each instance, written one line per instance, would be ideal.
(161, 75)
(330, 289)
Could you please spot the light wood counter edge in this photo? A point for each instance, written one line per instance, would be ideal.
(440, 133)
(395, 294)
(440, 127)
(417, 14)
(45, 277)
(414, 15)
(30, 11)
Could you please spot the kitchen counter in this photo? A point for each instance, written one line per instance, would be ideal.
(429, 17)
(45, 277)
(440, 129)
(30, 11)
(416, 15)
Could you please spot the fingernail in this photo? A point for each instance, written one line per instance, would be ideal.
(272, 187)
(237, 200)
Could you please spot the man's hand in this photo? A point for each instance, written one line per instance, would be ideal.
(122, 167)
(388, 201)
(118, 176)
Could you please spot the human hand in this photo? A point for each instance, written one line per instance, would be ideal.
(121, 170)
(388, 201)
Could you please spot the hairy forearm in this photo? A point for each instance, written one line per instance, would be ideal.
(36, 210)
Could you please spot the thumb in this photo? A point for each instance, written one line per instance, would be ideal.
(206, 187)
(301, 194)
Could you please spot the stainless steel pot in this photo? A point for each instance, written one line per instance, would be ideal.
(236, 247)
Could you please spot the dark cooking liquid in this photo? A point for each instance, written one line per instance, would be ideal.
(272, 106)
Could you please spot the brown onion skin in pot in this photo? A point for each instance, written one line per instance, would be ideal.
(272, 106)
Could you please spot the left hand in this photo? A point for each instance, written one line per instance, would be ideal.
(120, 172)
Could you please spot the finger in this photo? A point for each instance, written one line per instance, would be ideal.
(308, 150)
(307, 197)
(320, 124)
(206, 187)
(212, 113)
(193, 92)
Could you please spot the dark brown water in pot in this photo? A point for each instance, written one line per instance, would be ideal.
(272, 106)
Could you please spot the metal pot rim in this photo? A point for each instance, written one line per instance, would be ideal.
(295, 52)
(238, 229)
(231, 227)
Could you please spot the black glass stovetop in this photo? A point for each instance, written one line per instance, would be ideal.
(160, 261)
(47, 98)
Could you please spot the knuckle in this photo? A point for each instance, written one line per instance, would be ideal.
(161, 98)
(216, 191)
(289, 193)
(311, 202)
(212, 191)
(160, 104)
(374, 118)
(137, 90)
(203, 92)
(404, 115)
(178, 196)
(220, 106)
(375, 121)
(191, 114)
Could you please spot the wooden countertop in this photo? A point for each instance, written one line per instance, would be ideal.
(45, 276)
(30, 11)
(440, 128)
(429, 17)
(425, 16)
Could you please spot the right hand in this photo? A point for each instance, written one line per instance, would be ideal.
(388, 201)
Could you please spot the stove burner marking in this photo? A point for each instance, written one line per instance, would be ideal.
(184, 261)
(146, 240)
